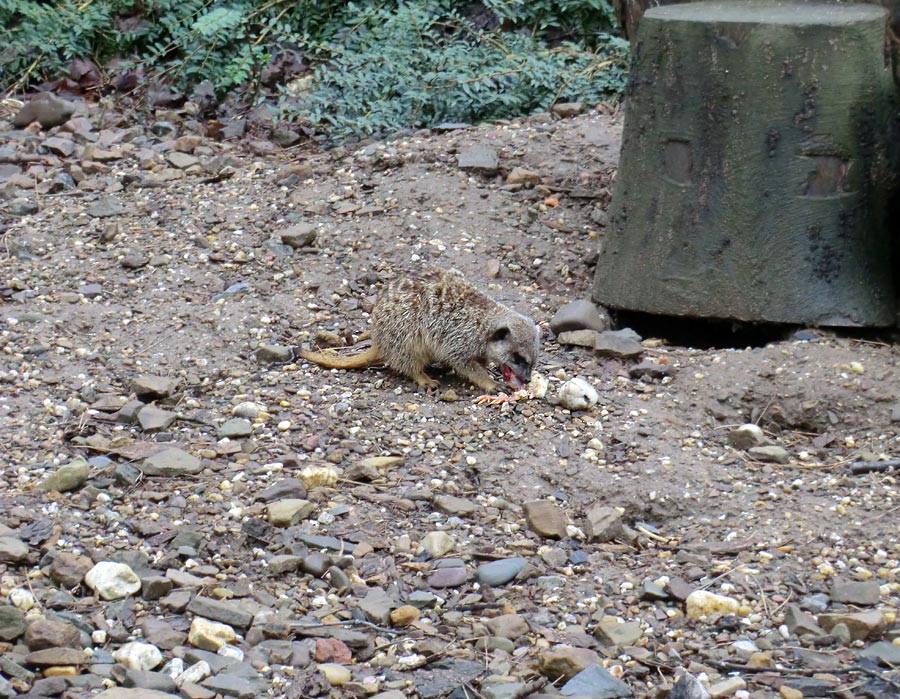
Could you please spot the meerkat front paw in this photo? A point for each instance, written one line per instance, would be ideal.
(494, 400)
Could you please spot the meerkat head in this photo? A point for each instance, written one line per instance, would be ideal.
(513, 345)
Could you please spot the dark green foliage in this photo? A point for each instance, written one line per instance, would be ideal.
(366, 67)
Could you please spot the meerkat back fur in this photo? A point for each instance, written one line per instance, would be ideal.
(437, 317)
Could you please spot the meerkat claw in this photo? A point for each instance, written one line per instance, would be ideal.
(493, 400)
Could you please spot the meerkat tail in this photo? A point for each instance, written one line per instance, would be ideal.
(336, 361)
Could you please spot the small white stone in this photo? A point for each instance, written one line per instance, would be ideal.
(230, 651)
(248, 409)
(702, 603)
(210, 635)
(195, 674)
(99, 636)
(21, 598)
(173, 667)
(335, 673)
(112, 581)
(138, 656)
(577, 394)
(438, 543)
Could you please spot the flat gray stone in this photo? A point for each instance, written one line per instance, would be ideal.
(171, 462)
(884, 652)
(580, 315)
(151, 387)
(300, 235)
(235, 428)
(769, 454)
(47, 109)
(69, 477)
(500, 572)
(135, 693)
(377, 605)
(106, 206)
(481, 159)
(862, 593)
(619, 343)
(595, 682)
(153, 419)
(12, 622)
(12, 550)
(227, 612)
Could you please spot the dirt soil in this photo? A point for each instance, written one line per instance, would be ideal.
(176, 268)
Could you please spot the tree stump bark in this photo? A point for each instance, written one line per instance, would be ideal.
(753, 176)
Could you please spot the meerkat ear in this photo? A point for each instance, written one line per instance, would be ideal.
(500, 334)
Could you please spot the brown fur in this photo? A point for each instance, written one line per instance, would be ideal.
(439, 318)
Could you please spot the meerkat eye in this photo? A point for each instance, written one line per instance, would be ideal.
(500, 334)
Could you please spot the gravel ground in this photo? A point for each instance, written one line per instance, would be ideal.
(185, 510)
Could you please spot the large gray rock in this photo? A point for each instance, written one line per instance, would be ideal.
(47, 109)
(744, 217)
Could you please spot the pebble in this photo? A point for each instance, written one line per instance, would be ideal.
(45, 108)
(480, 159)
(300, 235)
(623, 343)
(452, 505)
(12, 622)
(286, 513)
(727, 687)
(138, 656)
(596, 682)
(13, 550)
(448, 577)
(404, 615)
(769, 454)
(884, 652)
(227, 612)
(150, 387)
(270, 353)
(566, 661)
(68, 569)
(864, 594)
(580, 315)
(511, 626)
(702, 603)
(112, 580)
(747, 436)
(567, 110)
(438, 543)
(578, 338)
(69, 477)
(687, 686)
(577, 394)
(614, 633)
(545, 518)
(171, 462)
(336, 674)
(500, 572)
(649, 370)
(799, 622)
(248, 410)
(603, 524)
(862, 625)
(376, 606)
(153, 419)
(210, 635)
(51, 633)
(235, 428)
(520, 175)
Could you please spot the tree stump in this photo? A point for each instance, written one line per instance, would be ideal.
(753, 176)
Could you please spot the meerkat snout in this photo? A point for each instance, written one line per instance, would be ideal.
(513, 346)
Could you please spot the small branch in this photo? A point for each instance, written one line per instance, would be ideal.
(858, 467)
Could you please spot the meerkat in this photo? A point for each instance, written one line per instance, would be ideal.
(437, 317)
